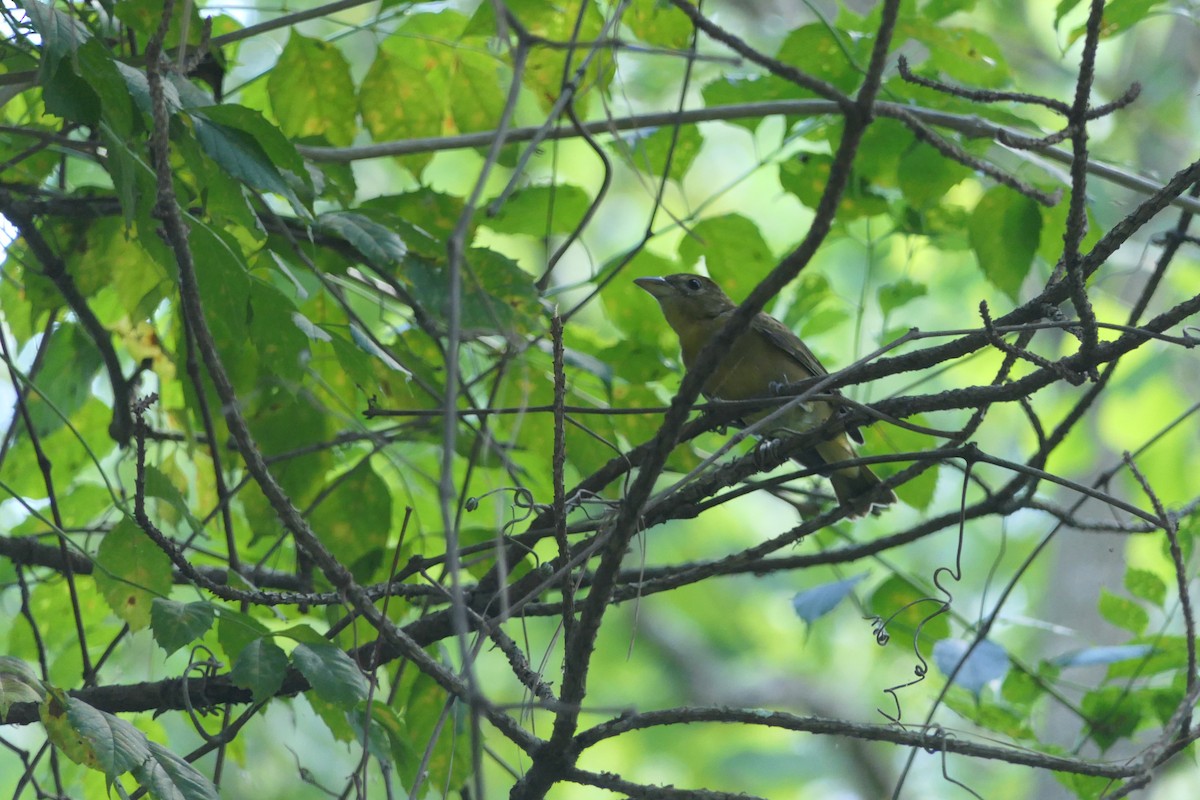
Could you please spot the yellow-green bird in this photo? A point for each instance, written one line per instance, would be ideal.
(766, 355)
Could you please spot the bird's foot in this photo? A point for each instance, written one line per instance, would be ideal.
(764, 452)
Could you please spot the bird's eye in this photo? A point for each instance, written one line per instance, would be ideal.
(694, 284)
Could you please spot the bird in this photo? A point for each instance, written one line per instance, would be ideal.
(767, 355)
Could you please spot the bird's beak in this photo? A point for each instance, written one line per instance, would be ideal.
(655, 286)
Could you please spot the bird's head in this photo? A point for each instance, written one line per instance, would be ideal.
(687, 298)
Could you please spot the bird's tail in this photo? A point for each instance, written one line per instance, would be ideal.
(854, 486)
(855, 491)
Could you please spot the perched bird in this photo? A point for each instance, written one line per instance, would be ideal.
(768, 354)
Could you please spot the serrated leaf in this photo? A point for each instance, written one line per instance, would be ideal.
(61, 33)
(96, 67)
(277, 147)
(61, 731)
(331, 673)
(160, 486)
(235, 630)
(312, 93)
(130, 572)
(241, 155)
(812, 604)
(1004, 230)
(92, 737)
(177, 624)
(984, 664)
(169, 777)
(260, 667)
(380, 245)
(18, 684)
(139, 90)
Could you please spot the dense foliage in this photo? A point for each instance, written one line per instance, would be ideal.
(344, 457)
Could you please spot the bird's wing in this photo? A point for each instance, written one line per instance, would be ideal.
(782, 337)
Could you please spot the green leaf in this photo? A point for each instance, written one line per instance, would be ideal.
(276, 336)
(130, 572)
(966, 55)
(658, 24)
(497, 295)
(682, 144)
(919, 491)
(1119, 17)
(449, 763)
(1114, 713)
(109, 744)
(553, 20)
(379, 244)
(64, 383)
(477, 90)
(175, 625)
(92, 737)
(735, 253)
(1146, 585)
(1062, 9)
(906, 608)
(160, 486)
(61, 33)
(1004, 232)
(240, 153)
(235, 630)
(399, 100)
(541, 211)
(827, 53)
(355, 516)
(260, 667)
(807, 176)
(1021, 689)
(734, 90)
(900, 293)
(224, 286)
(925, 176)
(97, 68)
(940, 9)
(312, 94)
(271, 142)
(331, 672)
(1123, 612)
(169, 777)
(18, 684)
